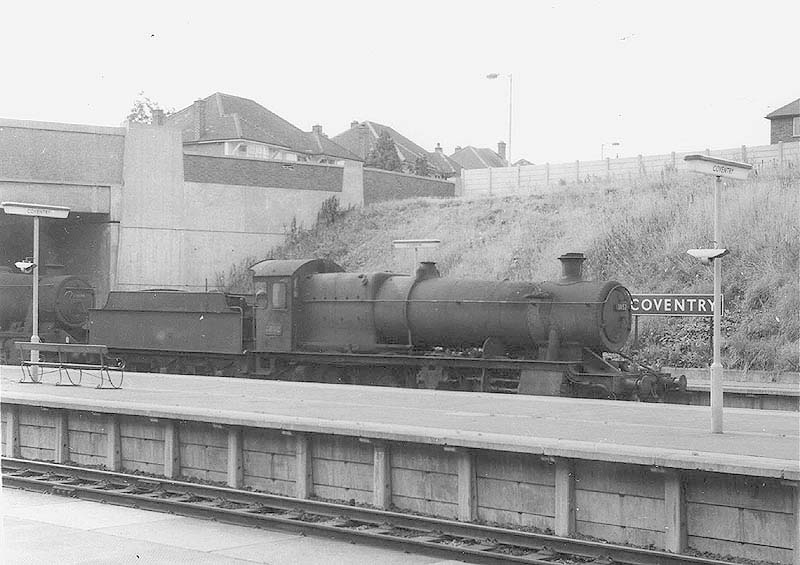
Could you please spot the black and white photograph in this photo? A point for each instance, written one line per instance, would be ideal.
(415, 283)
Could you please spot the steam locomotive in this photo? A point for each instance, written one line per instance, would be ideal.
(64, 303)
(308, 320)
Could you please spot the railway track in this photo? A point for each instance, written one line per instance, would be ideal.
(417, 534)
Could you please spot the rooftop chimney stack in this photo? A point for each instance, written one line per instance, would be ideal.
(353, 124)
(199, 108)
(439, 148)
(317, 129)
(501, 149)
(158, 117)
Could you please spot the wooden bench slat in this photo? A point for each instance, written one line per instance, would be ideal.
(61, 347)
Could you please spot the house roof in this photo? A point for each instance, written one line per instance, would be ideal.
(229, 117)
(477, 158)
(791, 109)
(353, 140)
(443, 163)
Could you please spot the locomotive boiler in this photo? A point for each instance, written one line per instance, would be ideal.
(64, 303)
(309, 320)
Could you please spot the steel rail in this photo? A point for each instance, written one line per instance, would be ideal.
(478, 543)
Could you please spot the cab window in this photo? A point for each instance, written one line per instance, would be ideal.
(261, 294)
(279, 296)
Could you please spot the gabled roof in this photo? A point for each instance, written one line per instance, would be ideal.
(228, 117)
(477, 158)
(791, 109)
(443, 163)
(361, 137)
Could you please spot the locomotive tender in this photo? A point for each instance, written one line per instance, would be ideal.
(308, 320)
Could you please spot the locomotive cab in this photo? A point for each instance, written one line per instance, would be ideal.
(276, 301)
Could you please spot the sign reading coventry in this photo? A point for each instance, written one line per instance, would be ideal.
(673, 305)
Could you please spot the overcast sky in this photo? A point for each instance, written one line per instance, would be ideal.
(653, 76)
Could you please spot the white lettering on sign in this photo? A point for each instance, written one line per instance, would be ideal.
(673, 304)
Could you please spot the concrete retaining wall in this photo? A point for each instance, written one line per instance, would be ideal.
(732, 515)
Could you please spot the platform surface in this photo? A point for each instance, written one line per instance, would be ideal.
(754, 442)
(45, 529)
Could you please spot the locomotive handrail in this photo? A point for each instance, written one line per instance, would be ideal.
(30, 373)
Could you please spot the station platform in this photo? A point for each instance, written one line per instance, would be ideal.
(44, 529)
(753, 442)
(634, 473)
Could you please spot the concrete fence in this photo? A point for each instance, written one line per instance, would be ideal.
(541, 178)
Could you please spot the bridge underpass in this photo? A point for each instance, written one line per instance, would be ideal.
(81, 244)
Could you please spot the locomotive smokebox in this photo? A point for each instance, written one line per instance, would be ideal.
(572, 266)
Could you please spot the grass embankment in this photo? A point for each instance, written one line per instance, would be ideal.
(634, 232)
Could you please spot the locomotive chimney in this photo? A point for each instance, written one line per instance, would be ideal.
(427, 270)
(572, 266)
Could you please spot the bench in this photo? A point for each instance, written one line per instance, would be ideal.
(63, 363)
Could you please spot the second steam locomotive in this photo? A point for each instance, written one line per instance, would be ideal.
(308, 320)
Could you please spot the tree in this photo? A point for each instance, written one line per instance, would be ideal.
(384, 154)
(142, 110)
(421, 167)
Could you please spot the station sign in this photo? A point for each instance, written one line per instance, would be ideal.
(38, 210)
(718, 167)
(673, 305)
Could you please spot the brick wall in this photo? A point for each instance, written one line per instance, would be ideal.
(781, 130)
(385, 185)
(272, 174)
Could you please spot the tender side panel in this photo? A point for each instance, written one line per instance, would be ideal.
(191, 332)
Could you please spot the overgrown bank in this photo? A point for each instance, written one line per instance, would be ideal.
(636, 233)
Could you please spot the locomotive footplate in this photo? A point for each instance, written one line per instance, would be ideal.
(350, 359)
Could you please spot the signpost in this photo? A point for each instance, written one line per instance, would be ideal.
(719, 168)
(36, 211)
(416, 245)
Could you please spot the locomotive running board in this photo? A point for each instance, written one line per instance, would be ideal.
(372, 359)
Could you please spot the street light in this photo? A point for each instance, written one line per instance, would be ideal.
(32, 265)
(734, 170)
(604, 145)
(493, 76)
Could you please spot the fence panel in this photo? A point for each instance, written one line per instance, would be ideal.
(543, 178)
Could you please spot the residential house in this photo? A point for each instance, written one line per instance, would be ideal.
(226, 125)
(444, 166)
(361, 137)
(785, 123)
(479, 157)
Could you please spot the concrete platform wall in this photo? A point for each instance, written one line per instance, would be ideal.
(730, 515)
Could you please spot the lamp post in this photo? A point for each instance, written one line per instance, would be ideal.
(510, 77)
(735, 170)
(603, 147)
(37, 211)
